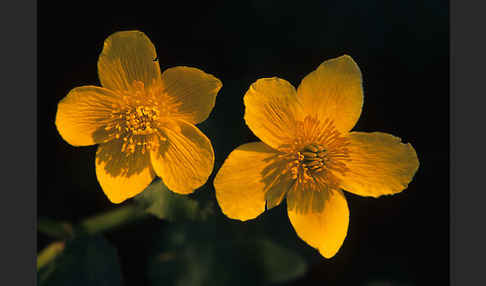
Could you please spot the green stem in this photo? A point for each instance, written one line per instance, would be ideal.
(56, 229)
(112, 219)
(49, 253)
(93, 225)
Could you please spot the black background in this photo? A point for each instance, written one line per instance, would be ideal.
(401, 48)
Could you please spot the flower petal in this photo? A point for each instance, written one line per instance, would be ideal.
(185, 160)
(82, 115)
(333, 91)
(278, 182)
(128, 56)
(309, 196)
(380, 164)
(193, 90)
(272, 110)
(122, 175)
(324, 230)
(240, 184)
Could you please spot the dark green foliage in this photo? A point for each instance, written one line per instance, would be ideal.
(86, 260)
(210, 254)
(157, 200)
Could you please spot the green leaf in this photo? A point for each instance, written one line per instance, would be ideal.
(201, 263)
(159, 201)
(208, 253)
(279, 263)
(87, 260)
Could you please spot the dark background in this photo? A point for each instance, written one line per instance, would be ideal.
(401, 48)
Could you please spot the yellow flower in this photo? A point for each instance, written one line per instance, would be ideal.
(143, 119)
(308, 155)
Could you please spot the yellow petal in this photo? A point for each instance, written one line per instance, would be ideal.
(240, 182)
(128, 56)
(82, 115)
(185, 160)
(271, 110)
(333, 91)
(193, 91)
(324, 230)
(278, 182)
(380, 164)
(309, 196)
(122, 175)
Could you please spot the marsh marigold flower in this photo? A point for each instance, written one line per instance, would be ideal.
(142, 119)
(308, 155)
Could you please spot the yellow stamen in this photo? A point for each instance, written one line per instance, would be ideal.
(137, 119)
(318, 149)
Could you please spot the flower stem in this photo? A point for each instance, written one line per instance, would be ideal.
(49, 253)
(56, 229)
(93, 225)
(112, 219)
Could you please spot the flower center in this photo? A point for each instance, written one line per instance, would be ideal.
(135, 126)
(133, 121)
(141, 120)
(136, 119)
(307, 162)
(318, 151)
(313, 157)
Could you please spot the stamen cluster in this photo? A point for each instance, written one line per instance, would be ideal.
(137, 119)
(140, 120)
(307, 162)
(327, 152)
